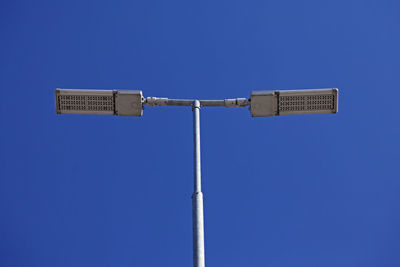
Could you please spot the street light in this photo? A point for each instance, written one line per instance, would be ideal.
(100, 102)
(262, 104)
(291, 102)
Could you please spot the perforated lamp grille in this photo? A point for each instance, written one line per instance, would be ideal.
(306, 103)
(86, 103)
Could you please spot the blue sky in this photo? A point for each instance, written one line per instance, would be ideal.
(315, 190)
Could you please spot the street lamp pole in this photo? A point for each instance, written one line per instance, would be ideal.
(197, 197)
(262, 104)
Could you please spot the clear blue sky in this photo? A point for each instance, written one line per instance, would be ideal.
(315, 190)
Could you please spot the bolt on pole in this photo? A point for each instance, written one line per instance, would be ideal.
(197, 197)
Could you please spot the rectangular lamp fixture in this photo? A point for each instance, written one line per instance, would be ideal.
(290, 102)
(106, 102)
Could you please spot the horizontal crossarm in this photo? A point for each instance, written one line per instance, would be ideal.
(160, 101)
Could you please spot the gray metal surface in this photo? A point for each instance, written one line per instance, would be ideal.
(129, 103)
(197, 197)
(291, 102)
(263, 104)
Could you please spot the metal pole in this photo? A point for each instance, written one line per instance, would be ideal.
(197, 197)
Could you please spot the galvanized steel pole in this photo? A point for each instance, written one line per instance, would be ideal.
(197, 197)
